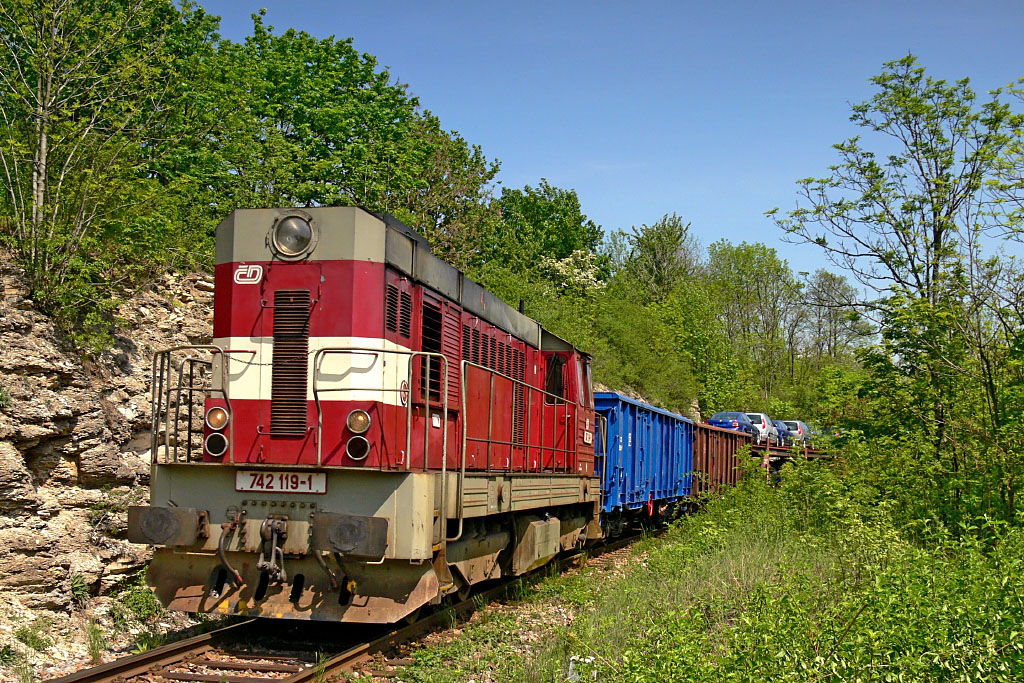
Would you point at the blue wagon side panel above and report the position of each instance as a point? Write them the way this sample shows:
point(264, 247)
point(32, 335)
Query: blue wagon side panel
point(648, 453)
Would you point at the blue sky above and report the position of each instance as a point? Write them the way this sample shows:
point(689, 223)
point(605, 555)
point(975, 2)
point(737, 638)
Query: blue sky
point(709, 110)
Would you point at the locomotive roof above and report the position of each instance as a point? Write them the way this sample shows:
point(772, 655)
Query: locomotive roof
point(380, 237)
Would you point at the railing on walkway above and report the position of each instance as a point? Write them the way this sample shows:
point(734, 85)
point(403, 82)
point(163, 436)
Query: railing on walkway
point(173, 385)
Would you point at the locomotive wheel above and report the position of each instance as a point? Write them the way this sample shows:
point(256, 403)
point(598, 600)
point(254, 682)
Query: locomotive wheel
point(413, 616)
point(464, 591)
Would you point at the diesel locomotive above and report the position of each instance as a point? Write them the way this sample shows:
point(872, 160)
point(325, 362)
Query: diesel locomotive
point(368, 431)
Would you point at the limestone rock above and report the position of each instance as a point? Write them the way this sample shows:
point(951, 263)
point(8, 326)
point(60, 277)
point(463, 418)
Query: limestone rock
point(17, 495)
point(74, 439)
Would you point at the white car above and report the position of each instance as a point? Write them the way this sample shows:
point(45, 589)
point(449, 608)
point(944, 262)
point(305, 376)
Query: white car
point(766, 431)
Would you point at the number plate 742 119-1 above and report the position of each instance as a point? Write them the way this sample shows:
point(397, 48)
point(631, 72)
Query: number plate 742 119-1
point(272, 481)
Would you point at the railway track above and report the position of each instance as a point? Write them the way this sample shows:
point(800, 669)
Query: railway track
point(257, 650)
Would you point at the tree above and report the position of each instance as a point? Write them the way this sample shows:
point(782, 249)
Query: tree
point(755, 290)
point(832, 322)
point(537, 222)
point(657, 256)
point(914, 226)
point(86, 100)
point(449, 201)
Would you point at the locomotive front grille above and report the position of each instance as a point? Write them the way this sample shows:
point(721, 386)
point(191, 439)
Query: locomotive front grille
point(289, 370)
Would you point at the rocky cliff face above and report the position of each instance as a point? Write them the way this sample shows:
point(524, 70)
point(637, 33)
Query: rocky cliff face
point(74, 441)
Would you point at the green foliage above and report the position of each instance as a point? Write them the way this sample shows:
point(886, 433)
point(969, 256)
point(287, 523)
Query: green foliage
point(79, 588)
point(97, 641)
point(8, 655)
point(91, 100)
point(113, 502)
point(136, 603)
point(5, 398)
point(816, 578)
point(34, 636)
point(922, 226)
point(146, 641)
point(538, 222)
point(488, 649)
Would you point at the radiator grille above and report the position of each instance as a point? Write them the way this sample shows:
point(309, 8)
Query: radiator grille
point(405, 320)
point(391, 309)
point(431, 342)
point(291, 350)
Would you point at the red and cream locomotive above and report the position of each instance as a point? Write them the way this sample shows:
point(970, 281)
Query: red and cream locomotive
point(368, 432)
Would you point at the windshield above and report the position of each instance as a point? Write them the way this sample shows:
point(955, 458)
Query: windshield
point(791, 425)
point(754, 417)
point(727, 416)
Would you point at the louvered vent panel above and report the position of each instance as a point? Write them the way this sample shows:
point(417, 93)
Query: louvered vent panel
point(519, 372)
point(405, 316)
point(391, 309)
point(291, 348)
point(452, 350)
point(431, 342)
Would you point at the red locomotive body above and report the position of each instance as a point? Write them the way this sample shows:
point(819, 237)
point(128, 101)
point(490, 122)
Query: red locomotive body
point(366, 404)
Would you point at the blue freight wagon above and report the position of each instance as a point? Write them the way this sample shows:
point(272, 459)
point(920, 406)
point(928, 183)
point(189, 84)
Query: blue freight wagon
point(645, 457)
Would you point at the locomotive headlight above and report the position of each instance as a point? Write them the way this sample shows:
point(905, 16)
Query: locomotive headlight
point(358, 448)
point(292, 236)
point(216, 444)
point(358, 421)
point(216, 419)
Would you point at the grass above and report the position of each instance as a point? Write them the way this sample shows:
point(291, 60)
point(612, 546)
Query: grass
point(25, 672)
point(114, 501)
point(33, 635)
point(487, 647)
point(79, 589)
point(135, 604)
point(5, 398)
point(807, 581)
point(146, 641)
point(98, 643)
point(8, 655)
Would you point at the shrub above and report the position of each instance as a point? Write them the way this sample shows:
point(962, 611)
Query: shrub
point(33, 637)
point(98, 643)
point(8, 655)
point(79, 589)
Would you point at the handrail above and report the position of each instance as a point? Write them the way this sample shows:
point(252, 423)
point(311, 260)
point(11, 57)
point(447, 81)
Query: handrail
point(428, 355)
point(162, 391)
point(525, 443)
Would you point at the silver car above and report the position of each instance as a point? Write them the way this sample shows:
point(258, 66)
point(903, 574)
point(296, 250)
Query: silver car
point(802, 434)
point(766, 431)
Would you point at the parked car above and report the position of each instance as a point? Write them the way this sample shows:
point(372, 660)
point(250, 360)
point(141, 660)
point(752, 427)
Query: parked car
point(785, 435)
point(766, 431)
point(802, 434)
point(732, 420)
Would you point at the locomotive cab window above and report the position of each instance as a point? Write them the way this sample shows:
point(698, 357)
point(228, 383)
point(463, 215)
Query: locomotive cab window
point(588, 384)
point(554, 382)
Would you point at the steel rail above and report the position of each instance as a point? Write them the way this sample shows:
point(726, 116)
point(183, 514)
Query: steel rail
point(146, 662)
point(154, 663)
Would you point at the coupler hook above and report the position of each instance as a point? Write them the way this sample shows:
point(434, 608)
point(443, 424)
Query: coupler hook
point(272, 531)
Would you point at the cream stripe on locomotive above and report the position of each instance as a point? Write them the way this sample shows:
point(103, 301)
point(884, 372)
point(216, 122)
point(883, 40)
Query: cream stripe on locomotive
point(371, 374)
